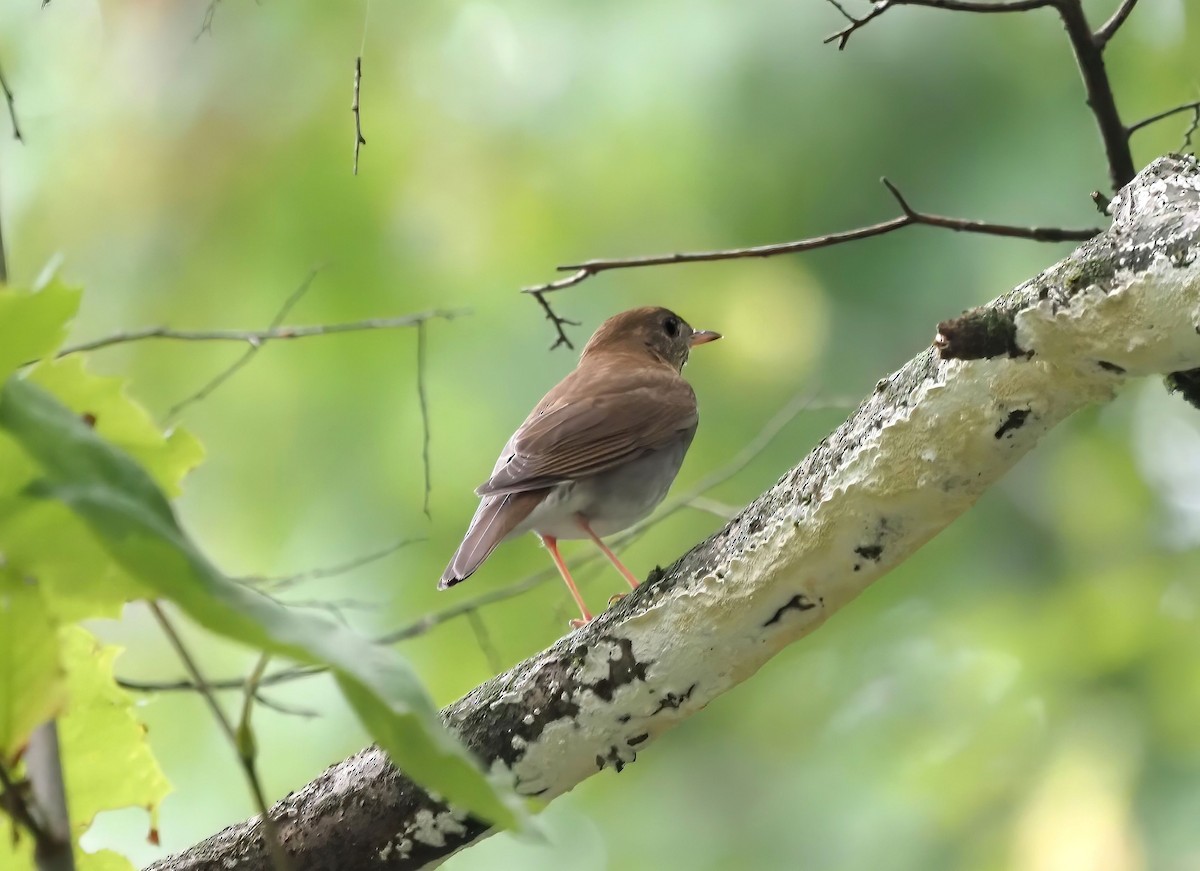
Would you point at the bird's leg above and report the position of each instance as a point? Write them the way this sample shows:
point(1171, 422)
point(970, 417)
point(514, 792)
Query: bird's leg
point(552, 546)
point(612, 557)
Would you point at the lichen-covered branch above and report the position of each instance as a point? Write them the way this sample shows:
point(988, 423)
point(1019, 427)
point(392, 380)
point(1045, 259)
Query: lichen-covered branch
point(916, 454)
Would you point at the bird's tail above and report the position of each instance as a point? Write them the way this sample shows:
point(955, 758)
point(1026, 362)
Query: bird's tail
point(494, 519)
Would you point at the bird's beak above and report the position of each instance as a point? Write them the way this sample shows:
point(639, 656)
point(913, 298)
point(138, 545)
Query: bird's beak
point(699, 337)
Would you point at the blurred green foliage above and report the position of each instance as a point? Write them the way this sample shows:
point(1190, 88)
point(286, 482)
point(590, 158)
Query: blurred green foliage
point(1021, 694)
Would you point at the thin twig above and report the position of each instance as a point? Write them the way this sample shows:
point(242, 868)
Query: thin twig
point(1109, 28)
point(359, 141)
point(559, 322)
point(423, 400)
point(258, 337)
point(334, 608)
point(247, 749)
point(908, 218)
point(229, 371)
point(1193, 107)
point(287, 710)
point(207, 23)
point(271, 831)
point(12, 107)
point(881, 6)
point(278, 583)
point(715, 508)
point(1192, 128)
point(484, 639)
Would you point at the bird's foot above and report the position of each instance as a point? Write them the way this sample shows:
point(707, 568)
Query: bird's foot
point(579, 622)
point(616, 597)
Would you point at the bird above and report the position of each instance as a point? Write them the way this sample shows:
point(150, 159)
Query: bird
point(599, 452)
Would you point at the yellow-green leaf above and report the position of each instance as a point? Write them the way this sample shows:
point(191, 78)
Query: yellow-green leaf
point(103, 404)
point(33, 323)
point(107, 762)
point(32, 688)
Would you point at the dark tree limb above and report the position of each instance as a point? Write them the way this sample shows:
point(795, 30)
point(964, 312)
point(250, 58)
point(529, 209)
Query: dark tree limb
point(1089, 56)
point(1109, 28)
point(917, 453)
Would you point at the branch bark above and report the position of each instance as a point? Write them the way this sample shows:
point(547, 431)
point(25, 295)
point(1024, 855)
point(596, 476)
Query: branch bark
point(917, 453)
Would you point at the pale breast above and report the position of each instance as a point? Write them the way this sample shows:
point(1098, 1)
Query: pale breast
point(613, 500)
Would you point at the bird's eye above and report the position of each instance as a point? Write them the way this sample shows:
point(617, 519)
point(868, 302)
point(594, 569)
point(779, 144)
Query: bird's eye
point(671, 325)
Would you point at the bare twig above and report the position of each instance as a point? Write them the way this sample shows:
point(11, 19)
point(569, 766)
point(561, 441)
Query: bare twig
point(359, 141)
point(278, 583)
point(334, 607)
point(258, 337)
point(229, 371)
point(247, 749)
point(287, 710)
point(1193, 107)
point(207, 23)
point(484, 639)
point(882, 6)
point(908, 218)
point(12, 107)
point(1109, 28)
point(271, 830)
point(559, 322)
point(1192, 128)
point(713, 507)
point(423, 400)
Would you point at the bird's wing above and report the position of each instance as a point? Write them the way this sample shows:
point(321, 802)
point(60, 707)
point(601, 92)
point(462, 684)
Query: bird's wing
point(579, 434)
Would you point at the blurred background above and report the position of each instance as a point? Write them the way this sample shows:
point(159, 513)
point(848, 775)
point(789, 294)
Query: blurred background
point(1024, 693)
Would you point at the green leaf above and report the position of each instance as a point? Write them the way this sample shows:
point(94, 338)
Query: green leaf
point(33, 323)
point(134, 522)
point(32, 688)
point(45, 540)
point(107, 761)
point(104, 405)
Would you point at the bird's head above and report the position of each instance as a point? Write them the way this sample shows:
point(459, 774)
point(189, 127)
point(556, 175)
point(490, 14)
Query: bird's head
point(651, 329)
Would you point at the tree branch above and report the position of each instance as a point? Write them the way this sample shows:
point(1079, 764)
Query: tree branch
point(909, 217)
point(249, 354)
point(359, 141)
point(258, 337)
point(881, 6)
point(1109, 28)
point(1089, 57)
point(917, 453)
point(560, 323)
point(1193, 106)
point(240, 743)
point(12, 107)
